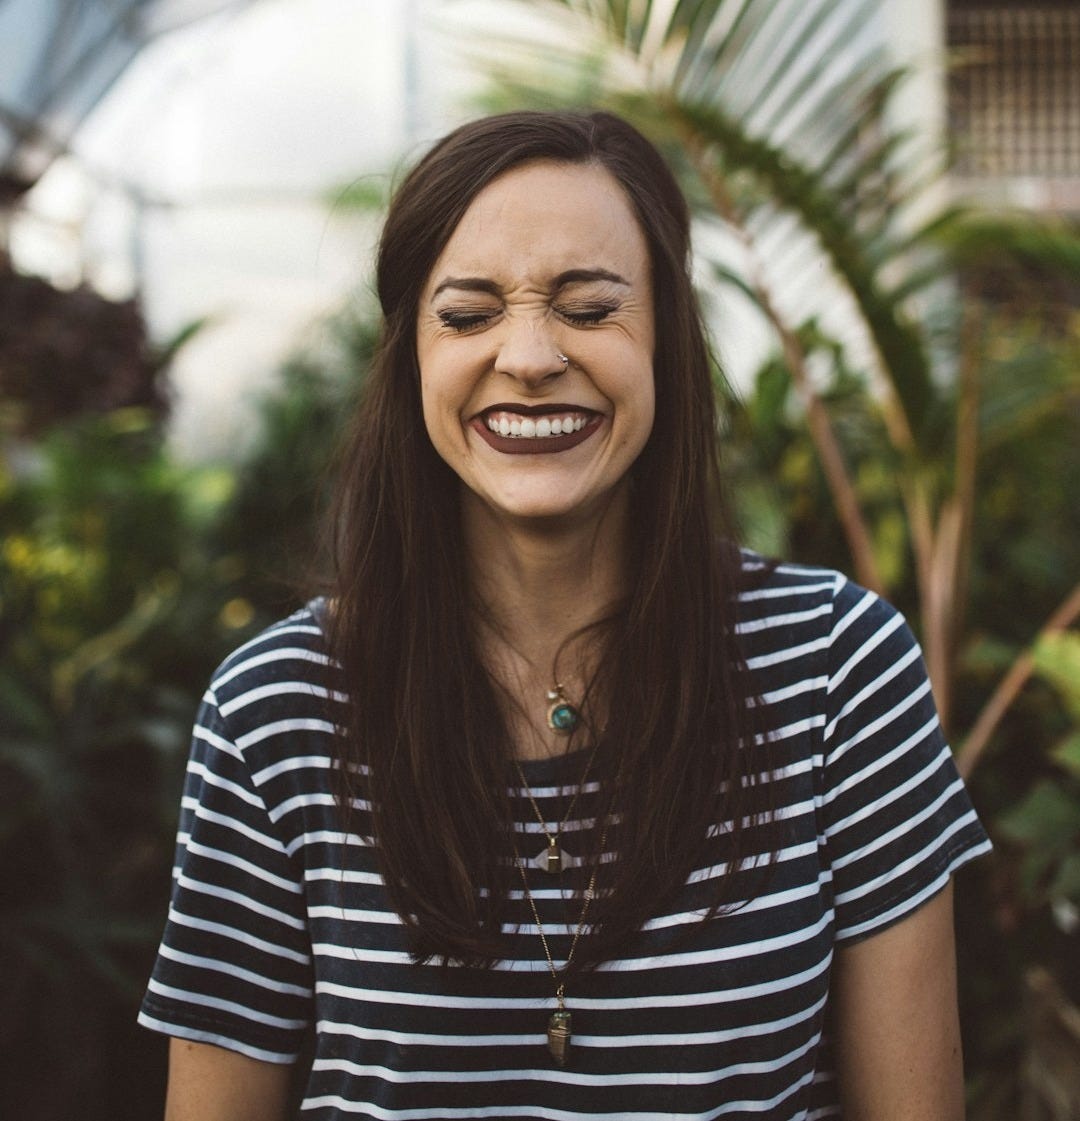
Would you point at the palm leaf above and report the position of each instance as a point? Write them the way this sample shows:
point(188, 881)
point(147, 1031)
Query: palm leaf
point(802, 192)
point(782, 100)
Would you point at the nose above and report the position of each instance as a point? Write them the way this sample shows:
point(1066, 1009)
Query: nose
point(529, 355)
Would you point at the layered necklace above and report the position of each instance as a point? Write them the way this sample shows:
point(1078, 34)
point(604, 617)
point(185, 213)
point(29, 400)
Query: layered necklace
point(562, 718)
point(559, 1023)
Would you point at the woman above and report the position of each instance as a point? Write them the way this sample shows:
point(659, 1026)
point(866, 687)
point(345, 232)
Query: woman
point(560, 807)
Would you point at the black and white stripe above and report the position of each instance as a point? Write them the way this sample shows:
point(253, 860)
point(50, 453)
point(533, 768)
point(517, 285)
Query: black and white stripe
point(280, 929)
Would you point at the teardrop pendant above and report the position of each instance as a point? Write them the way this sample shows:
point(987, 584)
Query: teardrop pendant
point(558, 1035)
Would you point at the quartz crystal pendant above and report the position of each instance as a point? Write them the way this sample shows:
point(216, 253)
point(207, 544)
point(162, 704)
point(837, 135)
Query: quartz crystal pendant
point(554, 859)
point(559, 1036)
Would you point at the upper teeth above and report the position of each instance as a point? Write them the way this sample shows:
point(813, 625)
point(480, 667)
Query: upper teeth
point(526, 427)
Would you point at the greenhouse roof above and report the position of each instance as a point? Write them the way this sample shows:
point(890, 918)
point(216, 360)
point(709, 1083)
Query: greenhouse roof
point(57, 59)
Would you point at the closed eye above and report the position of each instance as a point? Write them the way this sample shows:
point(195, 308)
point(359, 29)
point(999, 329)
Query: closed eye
point(462, 321)
point(585, 314)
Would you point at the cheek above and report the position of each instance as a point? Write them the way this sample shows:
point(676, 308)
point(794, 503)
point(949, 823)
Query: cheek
point(432, 377)
point(645, 406)
point(642, 389)
point(440, 403)
point(430, 406)
point(648, 417)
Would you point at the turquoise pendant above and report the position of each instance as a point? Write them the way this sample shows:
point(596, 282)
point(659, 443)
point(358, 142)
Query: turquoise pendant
point(562, 717)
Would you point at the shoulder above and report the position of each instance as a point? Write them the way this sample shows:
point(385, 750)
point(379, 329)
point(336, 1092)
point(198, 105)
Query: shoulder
point(769, 585)
point(272, 705)
point(292, 649)
point(797, 603)
point(814, 631)
point(278, 685)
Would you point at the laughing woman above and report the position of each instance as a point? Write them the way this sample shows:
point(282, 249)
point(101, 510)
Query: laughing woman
point(560, 806)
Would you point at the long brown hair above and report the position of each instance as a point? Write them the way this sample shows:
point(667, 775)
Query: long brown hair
point(423, 724)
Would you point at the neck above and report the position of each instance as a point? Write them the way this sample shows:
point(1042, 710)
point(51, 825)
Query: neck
point(540, 586)
point(540, 583)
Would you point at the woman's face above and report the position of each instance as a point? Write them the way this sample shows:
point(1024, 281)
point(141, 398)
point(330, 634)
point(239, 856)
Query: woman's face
point(549, 259)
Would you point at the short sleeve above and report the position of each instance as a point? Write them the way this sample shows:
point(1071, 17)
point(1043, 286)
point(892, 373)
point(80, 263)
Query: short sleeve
point(897, 819)
point(234, 965)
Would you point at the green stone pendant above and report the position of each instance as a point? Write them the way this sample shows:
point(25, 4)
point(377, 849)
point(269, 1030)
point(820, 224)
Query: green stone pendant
point(562, 717)
point(559, 1036)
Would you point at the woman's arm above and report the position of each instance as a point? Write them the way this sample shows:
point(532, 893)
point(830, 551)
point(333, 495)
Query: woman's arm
point(896, 1022)
point(209, 1083)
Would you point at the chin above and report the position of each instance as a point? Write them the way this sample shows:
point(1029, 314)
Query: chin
point(540, 514)
point(544, 507)
point(552, 511)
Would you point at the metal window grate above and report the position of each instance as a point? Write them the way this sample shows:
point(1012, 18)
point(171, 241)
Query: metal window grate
point(1014, 97)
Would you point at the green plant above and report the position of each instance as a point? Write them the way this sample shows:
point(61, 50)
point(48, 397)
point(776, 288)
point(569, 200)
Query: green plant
point(917, 412)
point(124, 578)
point(102, 592)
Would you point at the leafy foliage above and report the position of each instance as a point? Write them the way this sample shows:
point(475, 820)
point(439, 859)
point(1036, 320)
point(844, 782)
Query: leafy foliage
point(64, 353)
point(104, 592)
point(914, 421)
point(123, 580)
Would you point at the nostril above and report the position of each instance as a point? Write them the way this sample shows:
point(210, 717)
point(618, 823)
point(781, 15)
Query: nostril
point(534, 375)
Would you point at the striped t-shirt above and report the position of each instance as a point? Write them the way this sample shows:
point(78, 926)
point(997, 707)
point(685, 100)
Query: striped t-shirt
point(281, 940)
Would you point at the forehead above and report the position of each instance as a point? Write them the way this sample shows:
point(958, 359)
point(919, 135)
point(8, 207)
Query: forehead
point(545, 218)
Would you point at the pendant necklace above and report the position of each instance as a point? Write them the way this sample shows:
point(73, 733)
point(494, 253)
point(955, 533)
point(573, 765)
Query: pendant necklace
point(558, 1029)
point(562, 718)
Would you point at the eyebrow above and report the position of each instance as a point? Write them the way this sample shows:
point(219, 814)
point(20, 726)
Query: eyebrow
point(468, 284)
point(570, 276)
point(576, 276)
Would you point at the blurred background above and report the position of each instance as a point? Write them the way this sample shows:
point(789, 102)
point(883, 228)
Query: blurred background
point(887, 202)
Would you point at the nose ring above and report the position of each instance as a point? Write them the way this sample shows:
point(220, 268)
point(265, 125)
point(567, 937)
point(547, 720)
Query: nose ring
point(562, 358)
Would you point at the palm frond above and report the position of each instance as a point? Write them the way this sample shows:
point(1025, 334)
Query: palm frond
point(802, 192)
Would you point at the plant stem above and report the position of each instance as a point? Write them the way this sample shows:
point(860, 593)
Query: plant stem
point(943, 578)
point(1009, 687)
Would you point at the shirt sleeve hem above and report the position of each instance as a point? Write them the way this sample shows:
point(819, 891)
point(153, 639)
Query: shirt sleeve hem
point(190, 1028)
point(886, 915)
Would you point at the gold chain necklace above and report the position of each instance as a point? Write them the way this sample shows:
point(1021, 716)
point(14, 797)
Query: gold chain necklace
point(558, 1029)
point(554, 859)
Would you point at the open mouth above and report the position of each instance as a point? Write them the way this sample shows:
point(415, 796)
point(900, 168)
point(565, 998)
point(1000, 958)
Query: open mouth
point(533, 429)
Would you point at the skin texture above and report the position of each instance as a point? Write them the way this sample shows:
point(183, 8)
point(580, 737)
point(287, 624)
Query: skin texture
point(898, 1033)
point(208, 1083)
